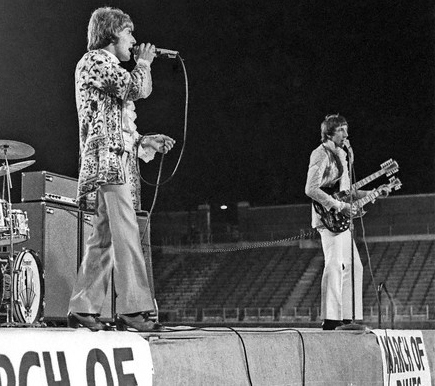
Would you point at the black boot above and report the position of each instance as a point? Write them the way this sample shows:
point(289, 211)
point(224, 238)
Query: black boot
point(329, 324)
point(138, 321)
point(90, 321)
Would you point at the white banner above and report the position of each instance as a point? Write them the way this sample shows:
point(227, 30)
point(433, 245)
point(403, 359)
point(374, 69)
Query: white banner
point(74, 357)
point(404, 358)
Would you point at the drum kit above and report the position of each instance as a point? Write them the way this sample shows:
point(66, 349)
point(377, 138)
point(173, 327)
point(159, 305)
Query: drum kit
point(21, 278)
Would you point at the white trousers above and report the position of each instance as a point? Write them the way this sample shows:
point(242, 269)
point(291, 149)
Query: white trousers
point(336, 300)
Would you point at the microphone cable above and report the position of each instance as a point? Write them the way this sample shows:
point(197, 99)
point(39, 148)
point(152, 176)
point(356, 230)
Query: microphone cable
point(157, 184)
point(245, 351)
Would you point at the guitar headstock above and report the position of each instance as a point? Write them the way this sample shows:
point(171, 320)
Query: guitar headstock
point(390, 167)
point(395, 184)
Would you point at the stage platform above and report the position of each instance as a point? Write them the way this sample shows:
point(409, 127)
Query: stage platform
point(203, 356)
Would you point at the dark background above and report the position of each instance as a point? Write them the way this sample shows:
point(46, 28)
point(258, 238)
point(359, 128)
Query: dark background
point(262, 76)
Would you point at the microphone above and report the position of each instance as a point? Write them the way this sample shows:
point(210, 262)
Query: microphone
point(349, 149)
point(159, 52)
point(163, 52)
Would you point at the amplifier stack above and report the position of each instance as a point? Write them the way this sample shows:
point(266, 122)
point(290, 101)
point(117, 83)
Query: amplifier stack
point(50, 187)
point(58, 232)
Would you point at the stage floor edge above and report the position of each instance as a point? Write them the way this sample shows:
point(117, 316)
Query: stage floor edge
point(199, 356)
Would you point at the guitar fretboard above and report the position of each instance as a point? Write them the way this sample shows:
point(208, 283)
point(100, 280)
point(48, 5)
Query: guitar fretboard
point(365, 200)
point(368, 179)
point(394, 184)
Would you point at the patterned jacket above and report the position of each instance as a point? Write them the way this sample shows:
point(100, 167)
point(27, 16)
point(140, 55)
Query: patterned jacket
point(101, 86)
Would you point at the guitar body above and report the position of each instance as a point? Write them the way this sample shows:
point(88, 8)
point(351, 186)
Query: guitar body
point(342, 195)
point(332, 220)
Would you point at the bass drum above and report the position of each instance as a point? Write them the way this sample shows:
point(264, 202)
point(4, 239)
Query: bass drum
point(28, 287)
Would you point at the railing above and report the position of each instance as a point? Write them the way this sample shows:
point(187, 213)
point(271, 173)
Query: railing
point(259, 314)
point(299, 314)
point(296, 314)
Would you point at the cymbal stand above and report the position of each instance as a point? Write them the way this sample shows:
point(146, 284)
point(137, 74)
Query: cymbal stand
point(10, 306)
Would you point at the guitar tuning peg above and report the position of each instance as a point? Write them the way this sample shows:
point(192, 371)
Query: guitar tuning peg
point(387, 162)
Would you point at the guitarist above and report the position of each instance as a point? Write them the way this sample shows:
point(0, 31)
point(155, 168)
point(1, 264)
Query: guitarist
point(329, 168)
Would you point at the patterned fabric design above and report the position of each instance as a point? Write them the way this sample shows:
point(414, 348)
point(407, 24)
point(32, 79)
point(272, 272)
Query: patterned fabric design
point(133, 178)
point(132, 141)
point(133, 172)
point(101, 86)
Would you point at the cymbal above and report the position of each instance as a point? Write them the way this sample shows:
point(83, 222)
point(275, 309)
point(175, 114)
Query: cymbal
point(15, 167)
point(15, 150)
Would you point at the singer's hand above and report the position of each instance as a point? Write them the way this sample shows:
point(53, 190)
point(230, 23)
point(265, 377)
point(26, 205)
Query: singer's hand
point(146, 52)
point(159, 142)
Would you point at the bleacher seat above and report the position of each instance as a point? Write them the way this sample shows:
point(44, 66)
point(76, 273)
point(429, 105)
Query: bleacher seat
point(273, 276)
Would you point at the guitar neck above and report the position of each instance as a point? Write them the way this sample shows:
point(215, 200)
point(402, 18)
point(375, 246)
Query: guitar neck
point(368, 179)
point(365, 200)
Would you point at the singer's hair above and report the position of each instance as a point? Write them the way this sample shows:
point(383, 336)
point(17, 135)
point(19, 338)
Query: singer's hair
point(328, 126)
point(105, 25)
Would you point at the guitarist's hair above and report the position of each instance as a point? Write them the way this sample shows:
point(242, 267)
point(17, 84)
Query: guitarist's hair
point(329, 125)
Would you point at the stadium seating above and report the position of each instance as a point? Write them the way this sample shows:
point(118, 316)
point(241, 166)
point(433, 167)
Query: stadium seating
point(289, 276)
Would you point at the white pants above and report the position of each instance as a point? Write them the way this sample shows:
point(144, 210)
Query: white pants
point(336, 302)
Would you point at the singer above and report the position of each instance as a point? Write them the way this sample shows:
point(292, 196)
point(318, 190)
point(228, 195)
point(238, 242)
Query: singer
point(108, 177)
point(329, 167)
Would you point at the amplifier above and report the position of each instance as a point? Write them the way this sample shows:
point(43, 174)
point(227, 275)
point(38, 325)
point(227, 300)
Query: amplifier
point(46, 186)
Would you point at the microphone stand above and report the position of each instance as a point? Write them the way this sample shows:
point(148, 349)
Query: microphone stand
point(352, 235)
point(381, 287)
point(352, 325)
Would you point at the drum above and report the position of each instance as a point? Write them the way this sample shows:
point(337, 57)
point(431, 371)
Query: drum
point(5, 282)
point(3, 216)
point(27, 287)
point(20, 225)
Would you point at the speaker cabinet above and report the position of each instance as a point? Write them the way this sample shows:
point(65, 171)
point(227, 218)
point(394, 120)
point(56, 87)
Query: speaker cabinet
point(54, 235)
